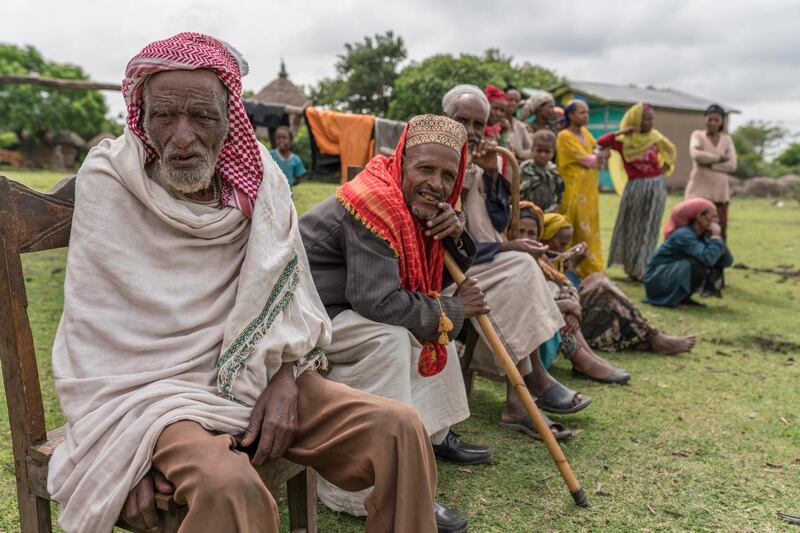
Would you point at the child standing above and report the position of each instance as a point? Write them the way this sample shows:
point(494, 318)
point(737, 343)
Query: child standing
point(540, 181)
point(290, 163)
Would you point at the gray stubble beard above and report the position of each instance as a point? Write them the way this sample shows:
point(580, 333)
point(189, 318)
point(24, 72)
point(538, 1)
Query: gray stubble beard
point(191, 180)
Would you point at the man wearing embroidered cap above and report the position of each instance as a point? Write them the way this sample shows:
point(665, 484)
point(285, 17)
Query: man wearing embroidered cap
point(376, 251)
point(190, 318)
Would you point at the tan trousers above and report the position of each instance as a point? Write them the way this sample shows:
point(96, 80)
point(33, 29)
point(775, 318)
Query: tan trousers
point(354, 439)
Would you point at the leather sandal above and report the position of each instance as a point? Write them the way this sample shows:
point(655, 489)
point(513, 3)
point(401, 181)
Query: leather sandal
point(620, 376)
point(558, 400)
point(526, 426)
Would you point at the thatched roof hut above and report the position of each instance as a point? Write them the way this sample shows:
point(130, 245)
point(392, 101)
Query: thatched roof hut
point(282, 91)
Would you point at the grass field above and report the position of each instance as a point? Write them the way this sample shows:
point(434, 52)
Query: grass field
point(704, 442)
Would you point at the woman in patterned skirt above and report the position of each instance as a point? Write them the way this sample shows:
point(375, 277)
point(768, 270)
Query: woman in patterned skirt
point(647, 156)
point(610, 321)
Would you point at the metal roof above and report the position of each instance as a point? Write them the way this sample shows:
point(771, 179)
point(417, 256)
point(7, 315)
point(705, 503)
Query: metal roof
point(630, 94)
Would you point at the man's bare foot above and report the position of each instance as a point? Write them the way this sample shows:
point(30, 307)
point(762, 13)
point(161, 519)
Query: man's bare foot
point(667, 345)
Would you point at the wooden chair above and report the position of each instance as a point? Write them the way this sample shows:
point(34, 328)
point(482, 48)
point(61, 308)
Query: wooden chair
point(31, 222)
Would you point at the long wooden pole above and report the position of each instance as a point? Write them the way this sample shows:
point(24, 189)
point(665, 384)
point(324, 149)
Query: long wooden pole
point(578, 494)
point(58, 83)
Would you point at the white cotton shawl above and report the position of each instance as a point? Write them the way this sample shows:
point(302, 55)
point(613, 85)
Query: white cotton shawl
point(172, 311)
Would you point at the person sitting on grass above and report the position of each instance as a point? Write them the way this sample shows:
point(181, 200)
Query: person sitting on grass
point(289, 162)
point(691, 258)
point(540, 181)
point(609, 321)
point(570, 340)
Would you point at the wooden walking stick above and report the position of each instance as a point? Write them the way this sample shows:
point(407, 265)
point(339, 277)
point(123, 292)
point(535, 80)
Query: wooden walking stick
point(578, 494)
point(513, 227)
point(523, 393)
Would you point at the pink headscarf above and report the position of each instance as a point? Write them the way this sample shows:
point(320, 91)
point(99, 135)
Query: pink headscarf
point(239, 162)
point(685, 212)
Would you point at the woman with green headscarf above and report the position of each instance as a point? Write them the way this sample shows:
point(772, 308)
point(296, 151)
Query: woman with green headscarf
point(647, 155)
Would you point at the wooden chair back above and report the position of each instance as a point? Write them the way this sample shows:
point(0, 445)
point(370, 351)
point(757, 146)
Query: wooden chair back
point(32, 221)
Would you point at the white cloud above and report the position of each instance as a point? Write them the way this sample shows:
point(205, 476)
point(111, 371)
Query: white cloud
point(743, 54)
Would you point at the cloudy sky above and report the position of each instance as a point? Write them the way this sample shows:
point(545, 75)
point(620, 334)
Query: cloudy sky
point(743, 54)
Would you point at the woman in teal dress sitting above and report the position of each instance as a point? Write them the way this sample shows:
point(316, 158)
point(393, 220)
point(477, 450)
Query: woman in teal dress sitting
point(691, 259)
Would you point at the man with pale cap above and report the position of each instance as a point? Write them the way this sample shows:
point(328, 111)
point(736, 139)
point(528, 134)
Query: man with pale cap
point(192, 329)
point(376, 250)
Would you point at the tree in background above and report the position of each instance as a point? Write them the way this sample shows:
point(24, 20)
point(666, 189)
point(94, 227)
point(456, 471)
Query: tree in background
point(30, 111)
point(790, 157)
point(420, 86)
point(366, 75)
point(754, 140)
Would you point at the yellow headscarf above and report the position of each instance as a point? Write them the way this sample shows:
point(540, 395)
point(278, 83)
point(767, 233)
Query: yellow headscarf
point(635, 144)
point(553, 222)
point(550, 272)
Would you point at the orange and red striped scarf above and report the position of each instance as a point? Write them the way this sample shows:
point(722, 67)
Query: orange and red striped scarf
point(375, 198)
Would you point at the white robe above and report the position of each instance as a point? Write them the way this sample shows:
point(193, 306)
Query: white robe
point(157, 291)
point(382, 359)
point(523, 311)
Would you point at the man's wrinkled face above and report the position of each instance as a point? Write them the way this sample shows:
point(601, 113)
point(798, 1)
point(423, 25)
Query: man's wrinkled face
point(429, 175)
point(186, 121)
point(528, 229)
point(471, 112)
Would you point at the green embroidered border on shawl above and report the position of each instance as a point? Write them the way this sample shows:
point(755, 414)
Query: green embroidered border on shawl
point(235, 357)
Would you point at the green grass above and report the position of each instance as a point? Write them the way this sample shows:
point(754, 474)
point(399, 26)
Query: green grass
point(704, 442)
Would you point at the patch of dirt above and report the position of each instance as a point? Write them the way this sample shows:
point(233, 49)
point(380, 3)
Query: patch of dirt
point(786, 272)
point(721, 341)
point(773, 345)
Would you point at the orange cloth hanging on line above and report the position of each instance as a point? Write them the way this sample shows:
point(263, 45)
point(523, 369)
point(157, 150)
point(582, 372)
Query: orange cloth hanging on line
point(348, 136)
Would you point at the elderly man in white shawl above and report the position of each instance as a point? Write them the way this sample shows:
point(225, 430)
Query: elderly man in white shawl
point(190, 317)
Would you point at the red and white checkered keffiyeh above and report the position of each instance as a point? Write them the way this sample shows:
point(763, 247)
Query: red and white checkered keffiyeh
point(239, 162)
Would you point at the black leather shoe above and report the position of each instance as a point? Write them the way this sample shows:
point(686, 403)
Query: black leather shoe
point(455, 450)
point(449, 521)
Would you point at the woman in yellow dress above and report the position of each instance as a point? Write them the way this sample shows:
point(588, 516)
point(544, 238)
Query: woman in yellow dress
point(577, 164)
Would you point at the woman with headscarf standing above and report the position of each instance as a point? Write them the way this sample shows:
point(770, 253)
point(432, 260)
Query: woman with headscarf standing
point(647, 156)
point(578, 164)
point(713, 159)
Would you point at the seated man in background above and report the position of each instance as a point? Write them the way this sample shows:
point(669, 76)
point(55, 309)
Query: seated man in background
point(190, 318)
point(376, 253)
point(523, 311)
